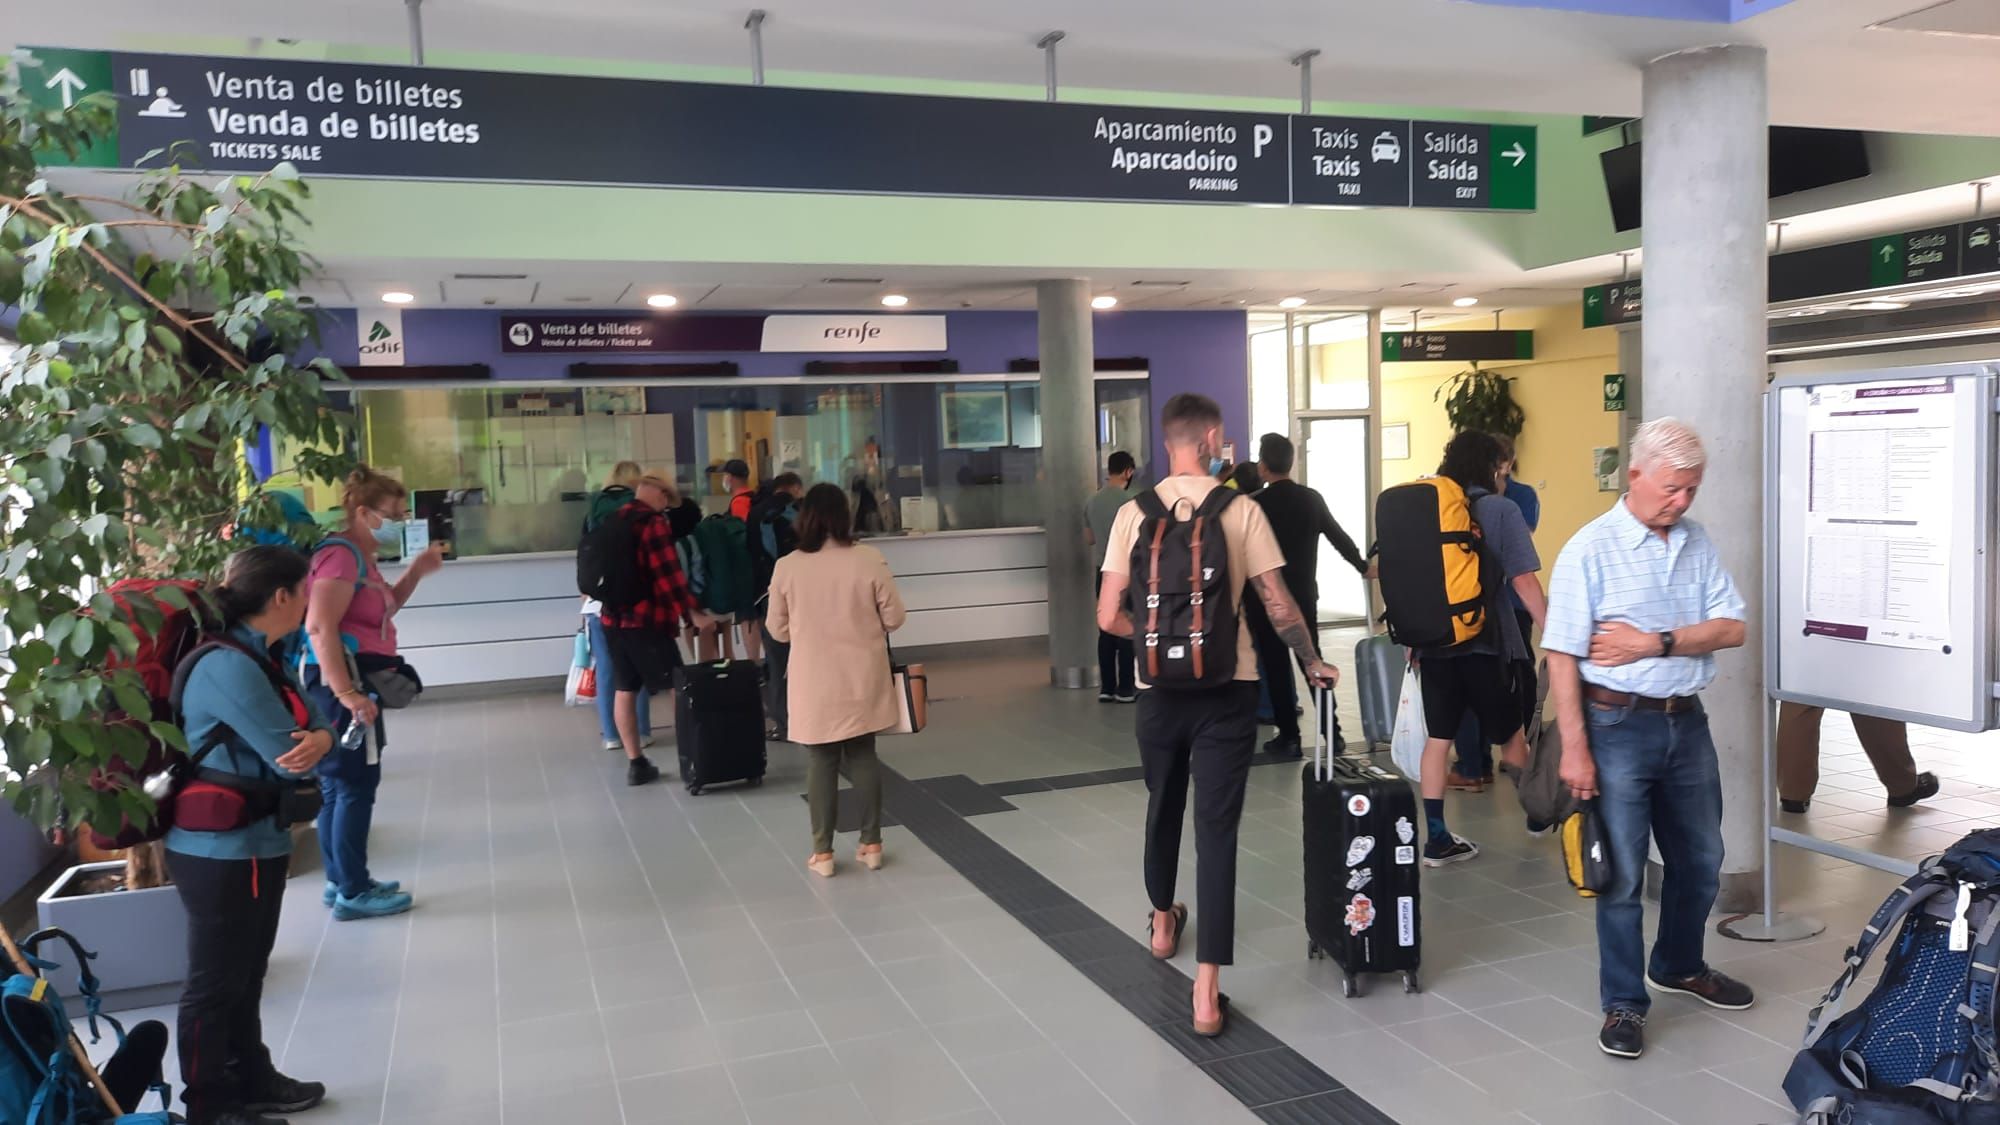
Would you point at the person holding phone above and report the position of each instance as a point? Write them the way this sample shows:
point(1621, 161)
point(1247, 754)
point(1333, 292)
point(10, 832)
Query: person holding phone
point(351, 630)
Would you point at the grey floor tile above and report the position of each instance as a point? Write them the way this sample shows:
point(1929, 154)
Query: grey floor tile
point(767, 1077)
point(766, 1035)
point(831, 1105)
point(658, 1036)
point(703, 1094)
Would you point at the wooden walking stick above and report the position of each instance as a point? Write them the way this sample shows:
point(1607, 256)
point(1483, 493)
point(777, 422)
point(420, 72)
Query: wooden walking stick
point(21, 965)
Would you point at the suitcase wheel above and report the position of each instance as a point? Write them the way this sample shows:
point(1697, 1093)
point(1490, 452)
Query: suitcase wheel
point(694, 790)
point(1313, 952)
point(1350, 986)
point(1410, 984)
point(755, 781)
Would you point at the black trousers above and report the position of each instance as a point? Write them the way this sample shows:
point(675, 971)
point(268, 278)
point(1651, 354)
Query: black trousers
point(1207, 737)
point(232, 910)
point(1278, 664)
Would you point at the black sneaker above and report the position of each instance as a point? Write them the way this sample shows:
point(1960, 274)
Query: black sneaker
point(1282, 747)
point(1927, 787)
point(1786, 804)
point(1717, 990)
point(1624, 1033)
point(279, 1094)
point(1105, 697)
point(642, 771)
point(1452, 849)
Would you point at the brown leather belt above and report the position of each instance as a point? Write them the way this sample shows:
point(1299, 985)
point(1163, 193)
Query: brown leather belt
point(1671, 705)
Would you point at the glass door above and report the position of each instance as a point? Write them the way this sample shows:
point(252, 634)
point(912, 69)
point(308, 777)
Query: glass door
point(1334, 454)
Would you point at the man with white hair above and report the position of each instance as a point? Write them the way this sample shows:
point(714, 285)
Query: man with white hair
point(1638, 603)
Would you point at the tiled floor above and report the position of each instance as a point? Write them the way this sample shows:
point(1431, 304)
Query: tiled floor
point(586, 953)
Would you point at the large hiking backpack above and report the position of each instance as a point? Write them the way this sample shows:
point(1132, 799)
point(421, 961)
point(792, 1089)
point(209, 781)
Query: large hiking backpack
point(722, 579)
point(772, 535)
point(1183, 607)
point(606, 504)
point(1434, 576)
point(41, 1082)
point(169, 618)
point(607, 563)
point(1920, 1047)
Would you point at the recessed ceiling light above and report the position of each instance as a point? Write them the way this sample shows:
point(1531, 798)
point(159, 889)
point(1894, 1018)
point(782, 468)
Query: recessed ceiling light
point(399, 297)
point(1878, 306)
point(663, 300)
point(1105, 302)
point(1291, 302)
point(1465, 302)
point(895, 300)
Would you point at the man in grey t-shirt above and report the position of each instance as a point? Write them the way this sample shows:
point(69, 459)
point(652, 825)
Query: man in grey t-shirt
point(1114, 654)
point(1476, 676)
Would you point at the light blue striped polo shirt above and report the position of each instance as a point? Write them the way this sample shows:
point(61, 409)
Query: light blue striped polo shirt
point(1618, 569)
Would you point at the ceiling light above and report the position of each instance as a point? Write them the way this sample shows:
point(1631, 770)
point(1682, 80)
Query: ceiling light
point(1878, 306)
point(399, 297)
point(1465, 302)
point(895, 300)
point(663, 300)
point(1291, 302)
point(1104, 302)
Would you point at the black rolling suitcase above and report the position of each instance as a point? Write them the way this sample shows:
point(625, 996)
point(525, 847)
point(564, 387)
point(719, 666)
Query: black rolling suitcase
point(1362, 828)
point(719, 723)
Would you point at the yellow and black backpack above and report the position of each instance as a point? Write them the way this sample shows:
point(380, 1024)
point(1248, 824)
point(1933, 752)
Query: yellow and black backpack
point(1586, 851)
point(1435, 576)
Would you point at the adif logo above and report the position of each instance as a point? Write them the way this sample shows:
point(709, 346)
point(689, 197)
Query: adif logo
point(521, 334)
point(381, 337)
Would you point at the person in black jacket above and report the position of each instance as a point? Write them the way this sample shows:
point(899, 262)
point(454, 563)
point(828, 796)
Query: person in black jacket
point(1298, 517)
point(772, 535)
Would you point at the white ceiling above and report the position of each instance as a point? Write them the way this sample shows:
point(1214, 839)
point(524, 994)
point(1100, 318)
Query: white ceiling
point(1832, 64)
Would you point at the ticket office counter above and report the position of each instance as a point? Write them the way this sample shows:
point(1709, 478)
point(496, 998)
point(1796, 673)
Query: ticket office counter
point(943, 473)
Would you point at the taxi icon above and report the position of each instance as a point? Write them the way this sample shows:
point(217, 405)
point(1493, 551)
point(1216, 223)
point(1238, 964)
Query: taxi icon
point(1386, 147)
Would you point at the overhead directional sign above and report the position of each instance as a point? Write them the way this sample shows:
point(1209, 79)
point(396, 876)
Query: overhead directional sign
point(1414, 347)
point(344, 119)
point(1882, 262)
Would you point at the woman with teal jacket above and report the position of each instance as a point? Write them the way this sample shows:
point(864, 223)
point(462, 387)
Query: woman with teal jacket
point(234, 696)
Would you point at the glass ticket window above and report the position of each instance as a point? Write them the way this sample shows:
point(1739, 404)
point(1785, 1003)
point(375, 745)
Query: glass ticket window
point(510, 468)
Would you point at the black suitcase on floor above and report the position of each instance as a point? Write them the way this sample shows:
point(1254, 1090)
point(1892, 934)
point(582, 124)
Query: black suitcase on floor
point(719, 723)
point(1362, 830)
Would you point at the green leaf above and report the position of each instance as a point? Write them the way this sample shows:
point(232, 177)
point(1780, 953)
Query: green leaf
point(84, 638)
point(59, 446)
point(143, 435)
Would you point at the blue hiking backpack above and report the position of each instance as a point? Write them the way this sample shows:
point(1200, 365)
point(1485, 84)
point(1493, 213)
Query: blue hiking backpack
point(1919, 1050)
point(41, 1082)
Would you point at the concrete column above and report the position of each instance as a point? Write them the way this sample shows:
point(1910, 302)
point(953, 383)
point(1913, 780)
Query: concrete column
point(1703, 354)
point(1069, 476)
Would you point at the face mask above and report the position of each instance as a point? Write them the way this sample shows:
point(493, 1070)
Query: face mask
point(1215, 465)
point(390, 534)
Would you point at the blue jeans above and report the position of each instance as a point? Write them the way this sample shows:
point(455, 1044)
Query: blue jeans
point(347, 785)
point(600, 656)
point(1657, 779)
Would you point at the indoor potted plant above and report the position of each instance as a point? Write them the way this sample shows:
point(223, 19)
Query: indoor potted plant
point(1476, 399)
point(155, 340)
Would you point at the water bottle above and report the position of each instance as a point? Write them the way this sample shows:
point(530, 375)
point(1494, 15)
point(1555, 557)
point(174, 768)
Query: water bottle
point(355, 734)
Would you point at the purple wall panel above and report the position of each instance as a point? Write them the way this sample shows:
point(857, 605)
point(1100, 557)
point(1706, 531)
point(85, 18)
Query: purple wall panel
point(1204, 352)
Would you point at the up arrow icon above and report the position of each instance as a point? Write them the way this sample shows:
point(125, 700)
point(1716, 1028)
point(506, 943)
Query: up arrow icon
point(69, 83)
point(1516, 154)
point(1888, 254)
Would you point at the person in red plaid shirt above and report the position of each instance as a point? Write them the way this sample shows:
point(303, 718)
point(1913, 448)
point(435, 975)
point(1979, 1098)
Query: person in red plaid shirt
point(640, 637)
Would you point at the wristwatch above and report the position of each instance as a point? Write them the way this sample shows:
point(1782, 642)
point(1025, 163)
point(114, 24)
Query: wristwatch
point(1667, 643)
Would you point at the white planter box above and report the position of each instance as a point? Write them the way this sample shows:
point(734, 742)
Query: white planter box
point(140, 938)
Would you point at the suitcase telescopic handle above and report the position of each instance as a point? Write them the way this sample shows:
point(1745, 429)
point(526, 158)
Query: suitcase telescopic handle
point(1323, 745)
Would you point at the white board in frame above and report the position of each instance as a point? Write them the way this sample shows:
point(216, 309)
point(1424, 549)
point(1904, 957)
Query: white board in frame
point(1807, 659)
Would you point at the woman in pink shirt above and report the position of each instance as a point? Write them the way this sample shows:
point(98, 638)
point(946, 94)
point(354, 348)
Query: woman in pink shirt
point(350, 624)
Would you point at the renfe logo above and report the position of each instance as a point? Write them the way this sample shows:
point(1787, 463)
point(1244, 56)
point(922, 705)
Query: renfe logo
point(862, 332)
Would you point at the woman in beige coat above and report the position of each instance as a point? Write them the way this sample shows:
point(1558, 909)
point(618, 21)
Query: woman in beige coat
point(835, 603)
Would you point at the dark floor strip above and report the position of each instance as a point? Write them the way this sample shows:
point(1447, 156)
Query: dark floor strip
point(1098, 777)
point(1255, 1066)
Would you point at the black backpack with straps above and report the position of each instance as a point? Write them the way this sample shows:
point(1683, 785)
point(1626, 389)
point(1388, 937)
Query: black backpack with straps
point(1184, 619)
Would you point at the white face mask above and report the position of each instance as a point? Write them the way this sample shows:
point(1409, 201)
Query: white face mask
point(390, 533)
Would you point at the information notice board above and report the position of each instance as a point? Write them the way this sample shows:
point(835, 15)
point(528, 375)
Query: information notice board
point(1879, 575)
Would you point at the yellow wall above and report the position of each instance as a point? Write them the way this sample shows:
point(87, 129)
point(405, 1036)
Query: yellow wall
point(1561, 391)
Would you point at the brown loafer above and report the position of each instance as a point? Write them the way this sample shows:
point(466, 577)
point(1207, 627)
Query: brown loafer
point(1180, 913)
point(1464, 784)
point(1209, 1030)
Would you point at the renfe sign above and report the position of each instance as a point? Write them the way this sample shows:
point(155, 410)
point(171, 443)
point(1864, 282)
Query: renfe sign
point(346, 119)
point(854, 334)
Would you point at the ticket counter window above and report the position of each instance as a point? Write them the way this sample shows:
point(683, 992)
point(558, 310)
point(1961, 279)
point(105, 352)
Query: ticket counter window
point(509, 468)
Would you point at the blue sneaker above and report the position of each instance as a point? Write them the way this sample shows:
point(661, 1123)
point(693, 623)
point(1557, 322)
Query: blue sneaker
point(374, 902)
point(332, 890)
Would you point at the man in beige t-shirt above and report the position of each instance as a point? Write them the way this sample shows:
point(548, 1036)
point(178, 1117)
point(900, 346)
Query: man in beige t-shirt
point(1207, 734)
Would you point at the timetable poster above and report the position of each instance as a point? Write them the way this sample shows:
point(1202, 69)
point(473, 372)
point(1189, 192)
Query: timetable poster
point(1879, 519)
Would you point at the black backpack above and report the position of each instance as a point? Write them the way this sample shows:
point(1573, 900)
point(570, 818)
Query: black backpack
point(607, 563)
point(1183, 607)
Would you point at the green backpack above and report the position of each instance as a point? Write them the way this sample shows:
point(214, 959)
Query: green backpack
point(722, 580)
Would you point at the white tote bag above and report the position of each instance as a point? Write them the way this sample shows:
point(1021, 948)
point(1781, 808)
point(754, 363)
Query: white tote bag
point(1406, 743)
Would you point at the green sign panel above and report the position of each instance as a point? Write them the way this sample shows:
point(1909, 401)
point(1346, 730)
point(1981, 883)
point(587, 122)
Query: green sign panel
point(1616, 303)
point(1614, 392)
point(67, 77)
point(1420, 347)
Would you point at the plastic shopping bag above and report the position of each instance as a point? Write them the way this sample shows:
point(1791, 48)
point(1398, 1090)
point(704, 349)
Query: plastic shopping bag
point(1406, 743)
point(580, 689)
